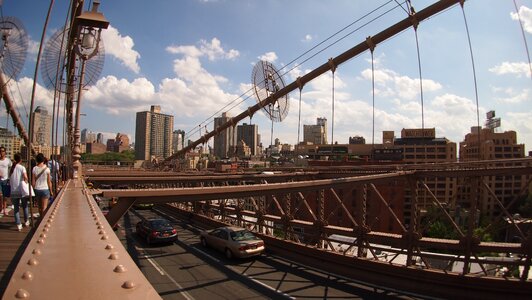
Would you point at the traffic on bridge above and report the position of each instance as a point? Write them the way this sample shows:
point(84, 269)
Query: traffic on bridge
point(416, 217)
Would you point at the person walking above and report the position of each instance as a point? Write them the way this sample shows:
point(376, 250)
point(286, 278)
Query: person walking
point(42, 183)
point(5, 165)
point(54, 167)
point(17, 175)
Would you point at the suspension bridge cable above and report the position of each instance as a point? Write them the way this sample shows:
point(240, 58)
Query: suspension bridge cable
point(333, 69)
point(524, 37)
point(373, 96)
point(58, 79)
point(299, 114)
point(314, 47)
point(474, 74)
point(35, 75)
point(412, 14)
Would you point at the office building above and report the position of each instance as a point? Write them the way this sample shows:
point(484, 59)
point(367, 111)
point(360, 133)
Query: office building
point(153, 134)
point(486, 144)
point(225, 139)
point(10, 141)
point(315, 134)
point(42, 127)
point(178, 138)
point(421, 146)
point(100, 138)
point(88, 136)
point(249, 134)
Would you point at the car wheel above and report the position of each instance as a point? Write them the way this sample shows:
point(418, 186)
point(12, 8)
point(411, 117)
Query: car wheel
point(204, 242)
point(228, 253)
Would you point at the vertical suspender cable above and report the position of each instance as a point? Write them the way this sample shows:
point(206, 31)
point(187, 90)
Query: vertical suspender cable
point(56, 112)
point(373, 98)
point(32, 101)
point(524, 38)
point(333, 69)
point(474, 77)
point(332, 122)
point(299, 118)
point(415, 24)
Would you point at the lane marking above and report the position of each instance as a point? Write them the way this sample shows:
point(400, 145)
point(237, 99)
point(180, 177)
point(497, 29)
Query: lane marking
point(163, 273)
point(242, 274)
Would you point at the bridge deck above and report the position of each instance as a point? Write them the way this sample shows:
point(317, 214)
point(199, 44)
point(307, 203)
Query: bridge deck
point(12, 244)
point(74, 254)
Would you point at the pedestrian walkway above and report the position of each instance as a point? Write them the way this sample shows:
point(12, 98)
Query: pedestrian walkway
point(12, 245)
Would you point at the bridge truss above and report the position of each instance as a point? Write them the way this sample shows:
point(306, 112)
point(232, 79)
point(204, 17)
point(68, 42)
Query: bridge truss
point(334, 220)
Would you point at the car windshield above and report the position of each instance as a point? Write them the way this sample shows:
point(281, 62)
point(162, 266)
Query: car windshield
point(242, 235)
point(156, 224)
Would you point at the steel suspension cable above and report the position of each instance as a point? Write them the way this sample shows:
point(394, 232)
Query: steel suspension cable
point(306, 52)
point(474, 75)
point(373, 96)
point(299, 116)
point(524, 37)
point(332, 121)
point(415, 24)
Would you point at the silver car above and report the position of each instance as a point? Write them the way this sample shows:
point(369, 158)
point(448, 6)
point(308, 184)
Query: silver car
point(233, 241)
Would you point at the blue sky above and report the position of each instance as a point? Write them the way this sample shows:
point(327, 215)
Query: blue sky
point(193, 57)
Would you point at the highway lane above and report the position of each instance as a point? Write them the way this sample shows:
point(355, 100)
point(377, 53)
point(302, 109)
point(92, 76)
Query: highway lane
point(187, 270)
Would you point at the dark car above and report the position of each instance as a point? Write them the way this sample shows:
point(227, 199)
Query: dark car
point(156, 231)
point(143, 206)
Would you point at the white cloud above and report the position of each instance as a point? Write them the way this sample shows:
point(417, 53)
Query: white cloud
point(519, 69)
point(526, 18)
point(121, 48)
point(193, 92)
point(512, 97)
point(116, 96)
point(268, 56)
point(212, 50)
point(307, 38)
point(520, 123)
point(388, 83)
point(22, 89)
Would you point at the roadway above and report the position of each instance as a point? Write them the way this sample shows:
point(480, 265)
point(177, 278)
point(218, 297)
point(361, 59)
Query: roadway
point(187, 270)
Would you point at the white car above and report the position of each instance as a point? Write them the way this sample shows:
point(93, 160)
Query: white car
point(233, 241)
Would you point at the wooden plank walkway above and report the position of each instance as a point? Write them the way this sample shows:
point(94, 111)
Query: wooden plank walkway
point(12, 245)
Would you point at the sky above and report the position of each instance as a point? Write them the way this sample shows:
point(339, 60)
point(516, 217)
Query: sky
point(195, 58)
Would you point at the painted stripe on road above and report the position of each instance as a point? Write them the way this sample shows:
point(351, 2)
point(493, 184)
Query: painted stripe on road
point(163, 273)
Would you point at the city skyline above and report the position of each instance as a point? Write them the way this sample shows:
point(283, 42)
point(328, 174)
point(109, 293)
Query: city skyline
point(192, 72)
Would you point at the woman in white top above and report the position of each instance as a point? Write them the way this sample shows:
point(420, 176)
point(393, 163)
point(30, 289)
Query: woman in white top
point(17, 174)
point(42, 183)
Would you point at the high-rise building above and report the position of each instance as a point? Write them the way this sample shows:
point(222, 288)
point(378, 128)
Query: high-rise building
point(486, 144)
point(118, 144)
point(419, 146)
point(178, 140)
point(225, 139)
point(249, 133)
point(42, 127)
point(316, 134)
point(323, 123)
point(10, 141)
point(153, 134)
point(88, 136)
point(100, 138)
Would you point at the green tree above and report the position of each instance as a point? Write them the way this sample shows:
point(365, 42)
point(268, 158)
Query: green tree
point(124, 156)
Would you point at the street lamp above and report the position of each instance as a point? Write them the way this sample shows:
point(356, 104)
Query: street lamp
point(88, 26)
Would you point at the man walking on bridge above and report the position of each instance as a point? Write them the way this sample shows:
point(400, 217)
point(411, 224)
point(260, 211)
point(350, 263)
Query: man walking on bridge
point(5, 165)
